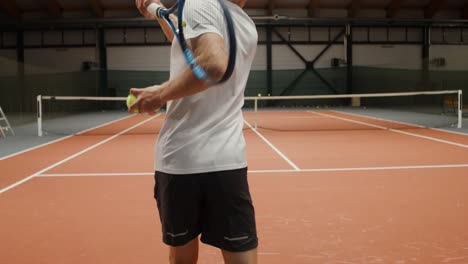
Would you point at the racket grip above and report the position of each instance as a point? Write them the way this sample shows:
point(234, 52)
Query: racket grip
point(154, 8)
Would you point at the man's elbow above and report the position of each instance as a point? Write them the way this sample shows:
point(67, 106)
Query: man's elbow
point(215, 66)
point(218, 70)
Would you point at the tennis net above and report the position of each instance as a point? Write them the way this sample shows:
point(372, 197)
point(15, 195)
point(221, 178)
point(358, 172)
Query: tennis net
point(64, 115)
point(410, 110)
point(74, 115)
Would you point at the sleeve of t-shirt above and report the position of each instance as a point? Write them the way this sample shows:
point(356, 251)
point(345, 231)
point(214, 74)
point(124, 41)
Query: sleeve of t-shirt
point(201, 17)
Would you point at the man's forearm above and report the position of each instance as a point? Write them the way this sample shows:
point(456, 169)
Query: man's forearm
point(211, 56)
point(164, 25)
point(166, 28)
point(186, 84)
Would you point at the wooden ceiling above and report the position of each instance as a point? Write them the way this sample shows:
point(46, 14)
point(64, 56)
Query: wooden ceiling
point(419, 9)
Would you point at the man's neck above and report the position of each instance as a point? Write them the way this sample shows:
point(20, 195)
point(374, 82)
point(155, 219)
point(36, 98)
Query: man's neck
point(240, 3)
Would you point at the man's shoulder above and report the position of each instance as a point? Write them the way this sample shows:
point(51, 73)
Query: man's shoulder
point(203, 5)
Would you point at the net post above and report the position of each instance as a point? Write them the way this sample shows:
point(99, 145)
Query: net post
point(255, 112)
point(460, 109)
point(39, 115)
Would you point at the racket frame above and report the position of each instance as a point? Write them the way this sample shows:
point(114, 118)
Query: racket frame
point(198, 71)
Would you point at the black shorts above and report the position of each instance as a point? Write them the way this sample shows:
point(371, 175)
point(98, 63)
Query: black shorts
point(216, 205)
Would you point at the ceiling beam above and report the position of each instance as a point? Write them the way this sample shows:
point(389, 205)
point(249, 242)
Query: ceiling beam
point(354, 8)
point(97, 8)
point(433, 7)
point(313, 7)
point(393, 8)
point(10, 8)
point(54, 8)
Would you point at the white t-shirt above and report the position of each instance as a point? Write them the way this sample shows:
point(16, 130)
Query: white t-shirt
point(203, 133)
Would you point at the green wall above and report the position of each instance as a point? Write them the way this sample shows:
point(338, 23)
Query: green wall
point(19, 94)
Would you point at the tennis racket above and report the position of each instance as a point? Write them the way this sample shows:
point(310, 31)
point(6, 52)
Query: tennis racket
point(197, 70)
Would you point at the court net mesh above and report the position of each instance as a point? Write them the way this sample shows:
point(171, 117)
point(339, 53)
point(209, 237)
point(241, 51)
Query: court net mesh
point(61, 115)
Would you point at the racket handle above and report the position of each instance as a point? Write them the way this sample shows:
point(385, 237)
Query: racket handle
point(154, 9)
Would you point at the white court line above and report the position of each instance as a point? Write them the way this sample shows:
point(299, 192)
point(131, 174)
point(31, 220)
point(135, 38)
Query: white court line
point(96, 174)
point(394, 130)
point(400, 122)
point(273, 147)
point(63, 138)
point(416, 167)
point(75, 155)
point(449, 131)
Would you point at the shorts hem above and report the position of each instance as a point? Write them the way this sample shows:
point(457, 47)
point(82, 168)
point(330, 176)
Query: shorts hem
point(252, 244)
point(179, 243)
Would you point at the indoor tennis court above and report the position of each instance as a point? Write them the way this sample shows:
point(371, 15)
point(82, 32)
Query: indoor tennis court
point(355, 123)
point(386, 196)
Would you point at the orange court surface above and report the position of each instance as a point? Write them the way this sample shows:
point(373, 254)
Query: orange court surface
point(367, 194)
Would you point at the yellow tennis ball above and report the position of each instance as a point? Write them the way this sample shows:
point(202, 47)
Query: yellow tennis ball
point(130, 100)
point(259, 94)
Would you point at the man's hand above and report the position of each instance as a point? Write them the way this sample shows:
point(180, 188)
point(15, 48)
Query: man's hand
point(148, 100)
point(143, 4)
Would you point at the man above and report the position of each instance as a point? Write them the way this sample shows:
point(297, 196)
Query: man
point(201, 170)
